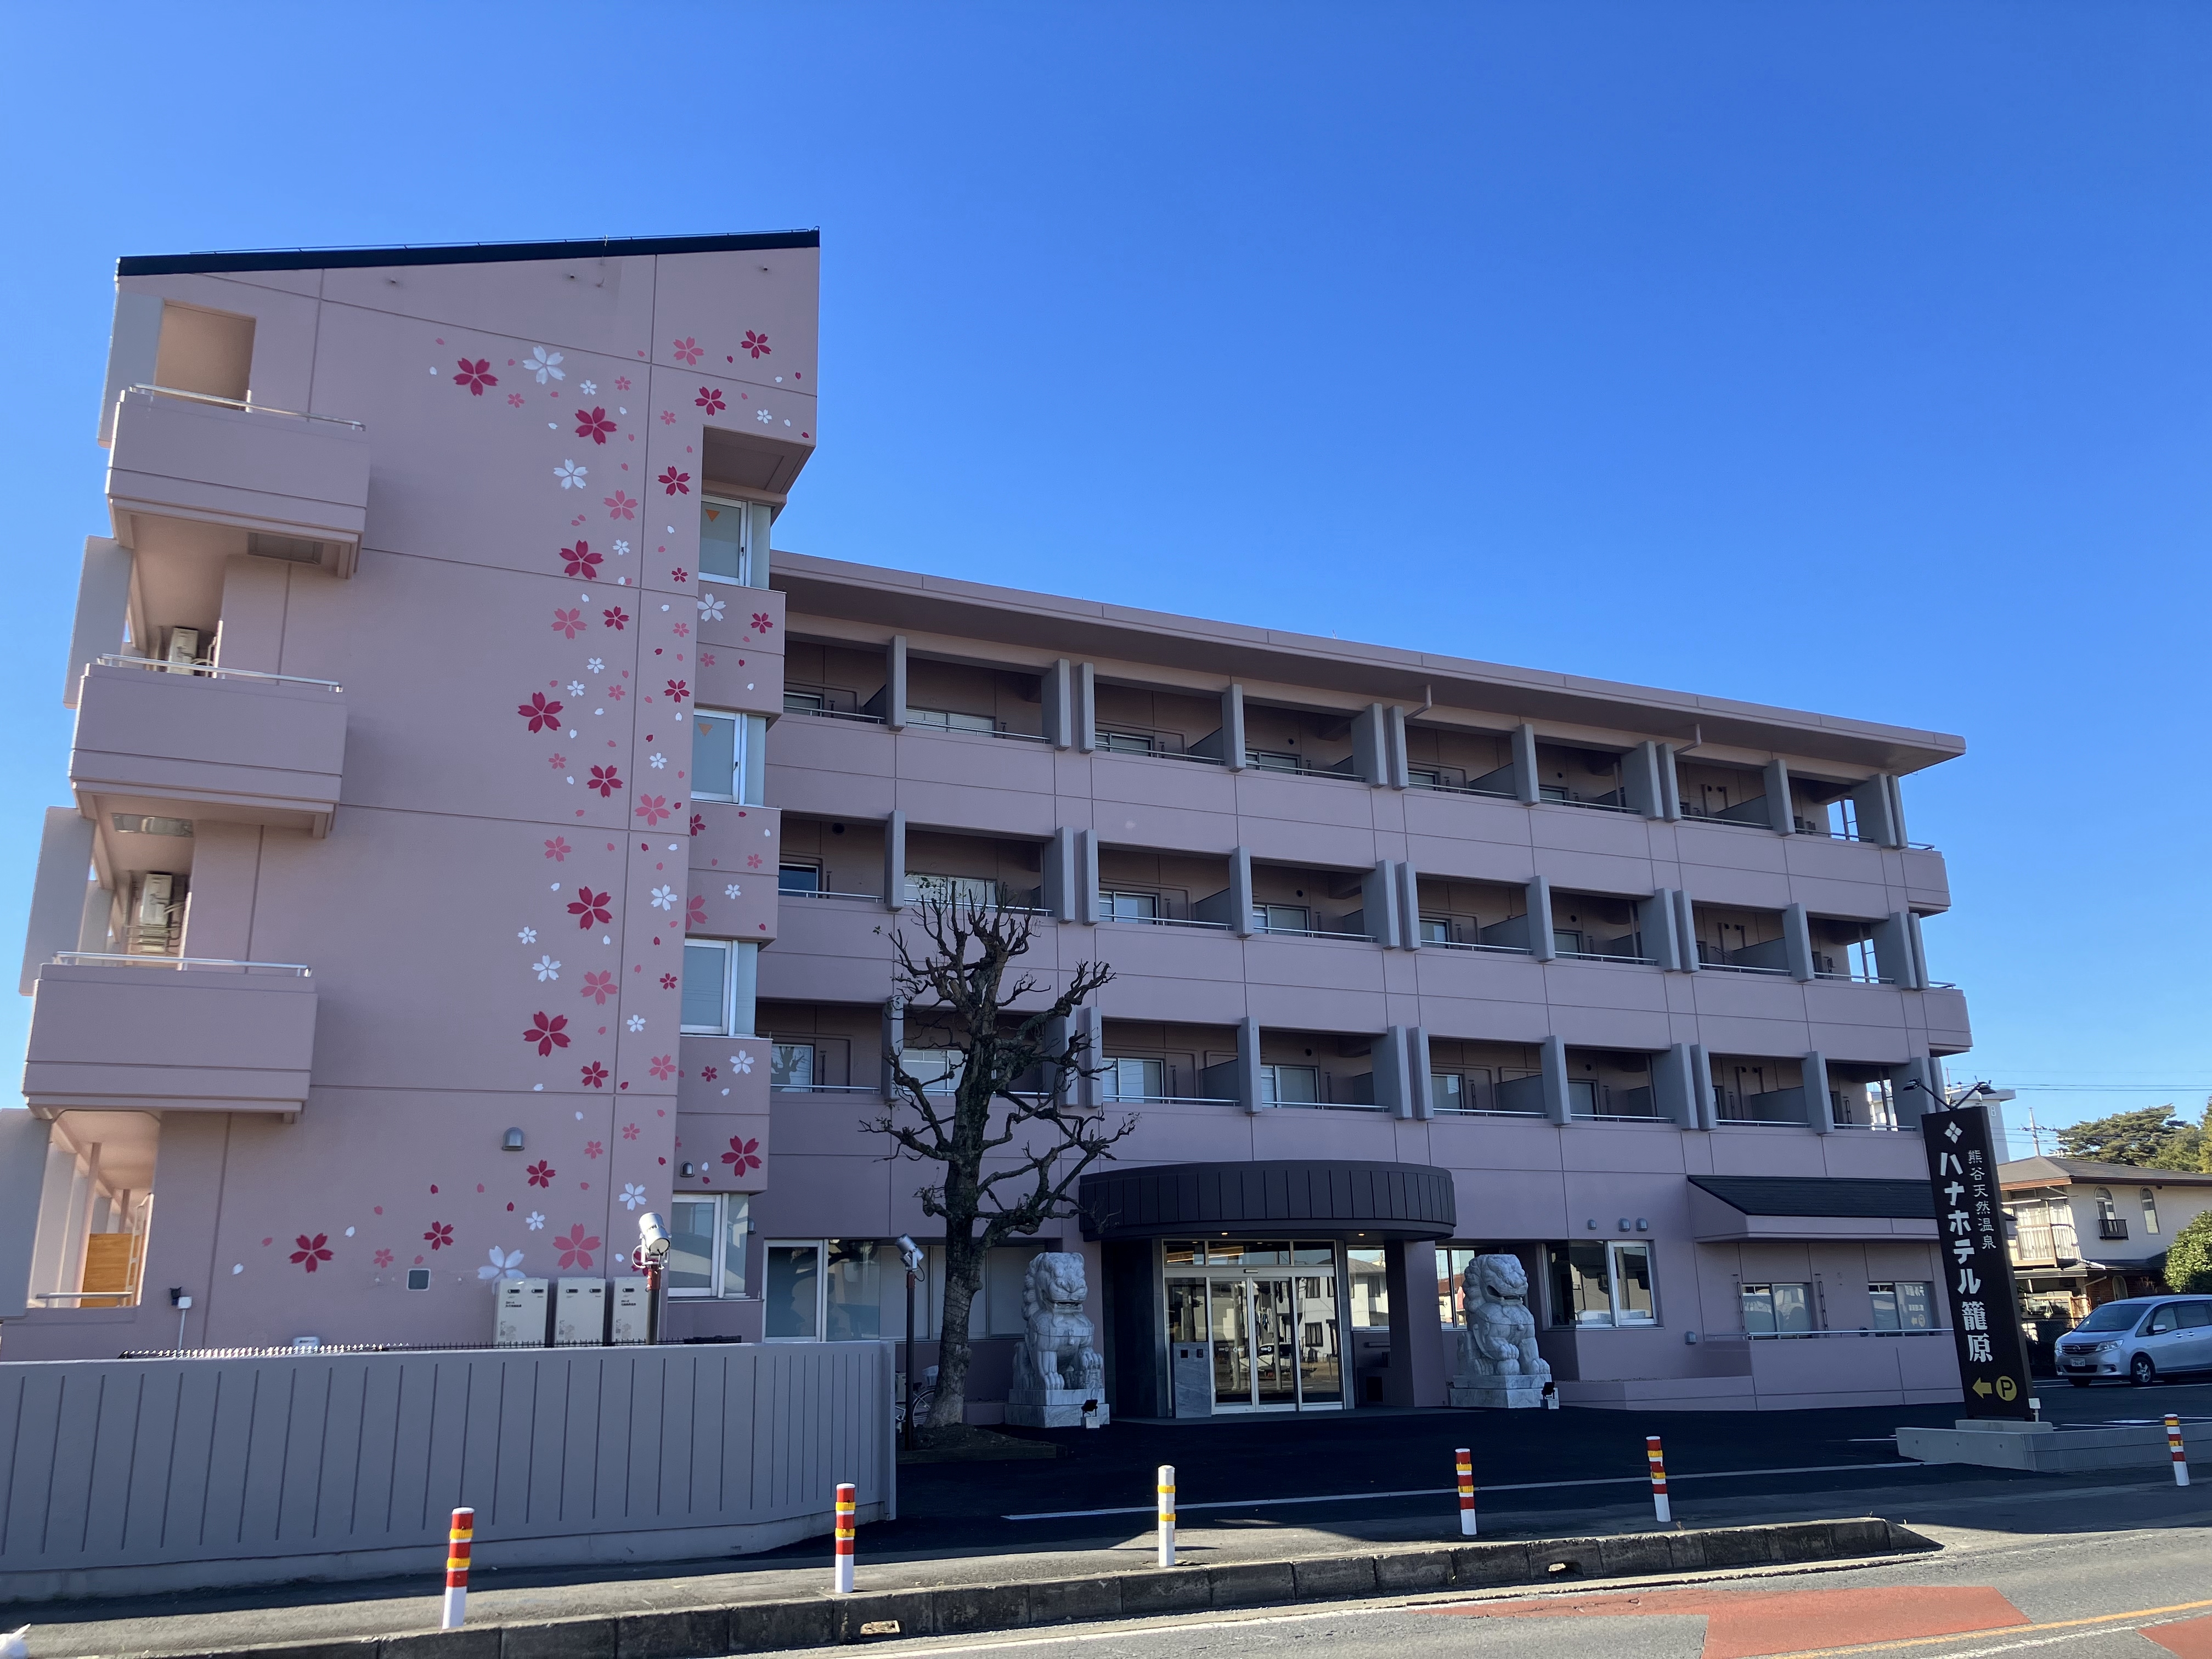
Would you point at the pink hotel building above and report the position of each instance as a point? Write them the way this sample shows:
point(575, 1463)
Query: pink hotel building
point(491, 839)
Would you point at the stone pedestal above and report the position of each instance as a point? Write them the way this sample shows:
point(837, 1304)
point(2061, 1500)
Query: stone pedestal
point(1051, 1408)
point(1498, 1393)
point(2040, 1447)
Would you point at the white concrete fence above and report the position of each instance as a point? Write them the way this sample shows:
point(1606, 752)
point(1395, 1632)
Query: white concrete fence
point(166, 1473)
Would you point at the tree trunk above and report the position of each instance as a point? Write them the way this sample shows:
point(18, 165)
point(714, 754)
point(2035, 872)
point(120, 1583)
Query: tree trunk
point(963, 1275)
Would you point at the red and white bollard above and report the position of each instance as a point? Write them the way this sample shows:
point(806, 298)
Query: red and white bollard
point(1465, 1460)
point(2174, 1445)
point(1167, 1515)
point(1657, 1459)
point(457, 1568)
point(848, 1503)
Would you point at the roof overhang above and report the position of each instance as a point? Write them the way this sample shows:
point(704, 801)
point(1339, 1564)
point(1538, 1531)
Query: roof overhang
point(1285, 1199)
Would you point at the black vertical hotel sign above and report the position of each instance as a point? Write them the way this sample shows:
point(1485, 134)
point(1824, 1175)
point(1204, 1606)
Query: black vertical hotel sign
point(1977, 1270)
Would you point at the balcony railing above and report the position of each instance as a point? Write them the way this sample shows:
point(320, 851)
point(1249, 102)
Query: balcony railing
point(244, 403)
point(116, 958)
point(2111, 1226)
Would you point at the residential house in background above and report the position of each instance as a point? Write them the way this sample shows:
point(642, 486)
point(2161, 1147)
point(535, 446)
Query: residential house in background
point(2084, 1233)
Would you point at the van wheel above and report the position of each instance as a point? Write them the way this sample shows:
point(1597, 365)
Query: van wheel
point(2140, 1371)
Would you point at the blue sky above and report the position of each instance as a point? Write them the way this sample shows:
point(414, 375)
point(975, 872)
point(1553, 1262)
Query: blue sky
point(1851, 357)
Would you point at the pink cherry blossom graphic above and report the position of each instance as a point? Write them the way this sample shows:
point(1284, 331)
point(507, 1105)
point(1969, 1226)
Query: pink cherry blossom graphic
point(593, 1149)
point(616, 618)
point(541, 1173)
point(708, 1073)
point(620, 506)
point(630, 1132)
point(688, 351)
point(591, 908)
point(580, 560)
point(675, 483)
point(576, 1246)
point(652, 809)
point(440, 1235)
point(539, 712)
point(595, 1076)
point(514, 400)
point(621, 382)
point(755, 344)
point(547, 1032)
point(476, 376)
point(311, 1251)
point(593, 423)
point(695, 911)
point(599, 988)
point(384, 1258)
point(762, 620)
point(557, 761)
point(568, 623)
point(680, 575)
point(618, 693)
point(669, 981)
point(697, 824)
point(663, 1066)
point(710, 400)
point(752, 860)
point(742, 1154)
point(677, 690)
point(668, 418)
point(604, 779)
point(558, 849)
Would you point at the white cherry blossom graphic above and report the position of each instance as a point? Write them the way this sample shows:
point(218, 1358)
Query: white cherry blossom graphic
point(733, 891)
point(741, 1061)
point(635, 1022)
point(534, 1221)
point(571, 476)
point(546, 967)
point(663, 898)
point(710, 607)
point(545, 365)
point(585, 387)
point(527, 935)
point(508, 1265)
point(632, 1195)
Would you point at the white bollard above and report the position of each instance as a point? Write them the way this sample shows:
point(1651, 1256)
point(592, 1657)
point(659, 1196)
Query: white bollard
point(1657, 1459)
point(1167, 1515)
point(847, 1503)
point(2174, 1445)
point(1465, 1460)
point(458, 1542)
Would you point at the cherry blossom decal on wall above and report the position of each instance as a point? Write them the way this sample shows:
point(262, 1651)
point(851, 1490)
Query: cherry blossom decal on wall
point(605, 778)
point(576, 1246)
point(710, 400)
point(580, 560)
point(755, 344)
point(477, 376)
point(440, 1235)
point(590, 909)
point(688, 351)
point(541, 1173)
point(542, 713)
point(593, 423)
point(744, 1155)
point(675, 483)
point(595, 1076)
point(311, 1251)
point(600, 986)
point(547, 1032)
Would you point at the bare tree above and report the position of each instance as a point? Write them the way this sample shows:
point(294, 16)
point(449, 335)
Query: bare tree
point(1011, 1155)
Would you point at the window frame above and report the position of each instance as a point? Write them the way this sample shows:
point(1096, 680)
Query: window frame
point(748, 743)
point(731, 1025)
point(2149, 1198)
point(716, 1290)
point(744, 539)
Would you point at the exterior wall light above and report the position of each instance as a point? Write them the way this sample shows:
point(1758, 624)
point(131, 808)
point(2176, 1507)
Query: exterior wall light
point(511, 1142)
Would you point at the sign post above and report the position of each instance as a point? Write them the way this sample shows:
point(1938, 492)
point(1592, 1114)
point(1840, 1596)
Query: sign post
point(1962, 1171)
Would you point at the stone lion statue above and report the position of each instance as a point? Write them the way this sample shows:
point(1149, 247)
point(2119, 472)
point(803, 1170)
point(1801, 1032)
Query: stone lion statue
point(1056, 1352)
point(1497, 1346)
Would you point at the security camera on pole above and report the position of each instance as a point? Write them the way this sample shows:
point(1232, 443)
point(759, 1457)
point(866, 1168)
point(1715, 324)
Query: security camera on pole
point(910, 1253)
point(653, 1246)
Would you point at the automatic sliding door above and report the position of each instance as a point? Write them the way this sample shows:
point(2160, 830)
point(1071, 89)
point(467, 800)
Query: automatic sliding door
point(1275, 1342)
point(1321, 1363)
point(1231, 1328)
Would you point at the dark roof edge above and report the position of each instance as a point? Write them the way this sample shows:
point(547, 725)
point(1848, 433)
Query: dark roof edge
point(453, 253)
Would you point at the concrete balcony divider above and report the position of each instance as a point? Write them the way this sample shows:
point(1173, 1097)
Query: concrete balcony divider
point(733, 859)
point(231, 748)
point(165, 1033)
point(265, 471)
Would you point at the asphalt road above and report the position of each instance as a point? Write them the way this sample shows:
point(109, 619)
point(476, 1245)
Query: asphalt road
point(2127, 1595)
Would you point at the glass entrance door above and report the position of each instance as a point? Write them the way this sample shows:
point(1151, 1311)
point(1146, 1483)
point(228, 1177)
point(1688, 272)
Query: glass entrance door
point(1268, 1315)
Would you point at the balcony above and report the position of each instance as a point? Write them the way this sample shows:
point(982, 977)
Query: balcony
point(220, 744)
point(291, 486)
point(158, 1033)
point(2111, 1226)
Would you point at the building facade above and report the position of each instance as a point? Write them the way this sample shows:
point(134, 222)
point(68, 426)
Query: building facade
point(585, 821)
point(2082, 1232)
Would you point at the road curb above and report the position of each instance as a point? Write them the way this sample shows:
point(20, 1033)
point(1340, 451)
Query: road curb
point(828, 1620)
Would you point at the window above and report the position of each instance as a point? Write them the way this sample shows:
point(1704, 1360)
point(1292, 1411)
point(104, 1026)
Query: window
point(1423, 777)
point(806, 702)
point(1134, 1079)
point(2162, 1319)
point(1447, 1093)
point(954, 892)
point(1280, 919)
point(944, 720)
point(938, 1070)
point(725, 551)
point(793, 1292)
point(1126, 743)
point(1580, 1292)
point(718, 986)
point(1906, 1305)
point(707, 1246)
point(1435, 931)
point(2107, 1210)
point(2150, 1210)
point(791, 1066)
point(798, 878)
point(1265, 761)
point(1778, 1310)
point(1129, 907)
point(1632, 1286)
point(727, 756)
point(1290, 1086)
point(1370, 1290)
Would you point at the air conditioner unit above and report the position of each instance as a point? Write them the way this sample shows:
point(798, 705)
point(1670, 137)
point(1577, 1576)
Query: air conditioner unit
point(184, 649)
point(580, 1313)
point(631, 1315)
point(523, 1319)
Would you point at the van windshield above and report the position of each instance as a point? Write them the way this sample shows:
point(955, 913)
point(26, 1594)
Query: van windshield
point(2112, 1316)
